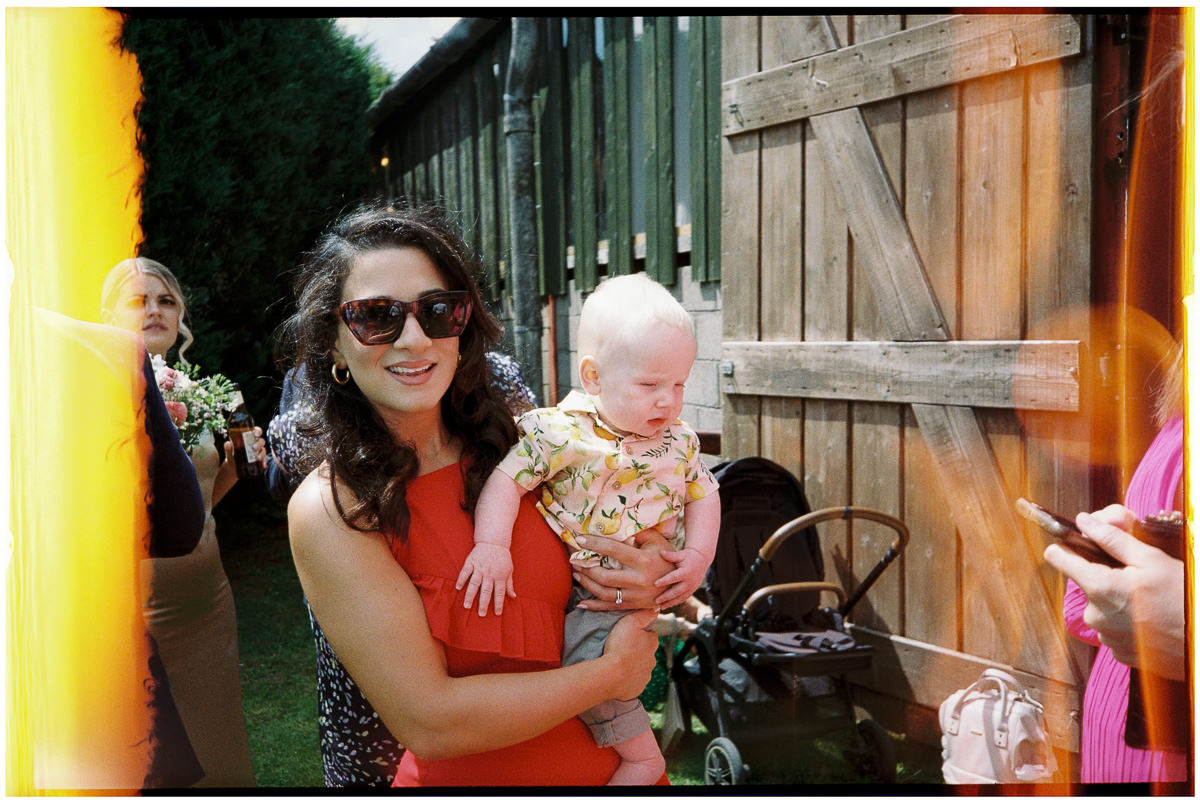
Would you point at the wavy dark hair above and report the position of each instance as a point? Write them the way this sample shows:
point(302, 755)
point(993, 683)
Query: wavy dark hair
point(346, 430)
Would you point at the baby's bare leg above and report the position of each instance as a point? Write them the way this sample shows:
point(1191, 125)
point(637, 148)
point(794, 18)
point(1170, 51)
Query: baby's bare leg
point(641, 761)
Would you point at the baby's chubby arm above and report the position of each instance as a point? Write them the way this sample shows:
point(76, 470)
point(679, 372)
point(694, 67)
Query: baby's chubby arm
point(702, 523)
point(488, 569)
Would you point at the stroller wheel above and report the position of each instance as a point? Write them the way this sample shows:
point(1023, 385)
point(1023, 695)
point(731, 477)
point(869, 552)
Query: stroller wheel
point(723, 763)
point(880, 752)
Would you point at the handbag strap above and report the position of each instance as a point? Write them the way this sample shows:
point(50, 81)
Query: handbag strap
point(1004, 683)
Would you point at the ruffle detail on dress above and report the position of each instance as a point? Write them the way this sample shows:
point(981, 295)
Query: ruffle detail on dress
point(528, 629)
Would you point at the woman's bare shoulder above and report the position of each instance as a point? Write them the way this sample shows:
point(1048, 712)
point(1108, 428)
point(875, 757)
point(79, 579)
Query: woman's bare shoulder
point(312, 512)
point(331, 556)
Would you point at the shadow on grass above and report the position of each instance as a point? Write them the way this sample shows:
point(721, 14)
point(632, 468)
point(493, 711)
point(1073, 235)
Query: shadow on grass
point(811, 762)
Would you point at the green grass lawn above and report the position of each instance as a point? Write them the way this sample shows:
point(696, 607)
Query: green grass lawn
point(279, 678)
point(278, 660)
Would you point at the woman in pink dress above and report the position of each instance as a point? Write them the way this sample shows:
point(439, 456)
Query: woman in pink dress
point(1134, 615)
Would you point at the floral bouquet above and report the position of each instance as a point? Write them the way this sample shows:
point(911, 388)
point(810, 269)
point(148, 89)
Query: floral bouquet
point(196, 404)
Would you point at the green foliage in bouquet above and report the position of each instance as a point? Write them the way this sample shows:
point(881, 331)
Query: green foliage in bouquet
point(207, 400)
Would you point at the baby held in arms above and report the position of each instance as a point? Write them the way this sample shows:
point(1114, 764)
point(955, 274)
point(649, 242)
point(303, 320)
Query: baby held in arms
point(612, 459)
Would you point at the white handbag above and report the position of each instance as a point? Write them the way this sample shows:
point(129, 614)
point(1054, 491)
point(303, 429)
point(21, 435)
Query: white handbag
point(994, 731)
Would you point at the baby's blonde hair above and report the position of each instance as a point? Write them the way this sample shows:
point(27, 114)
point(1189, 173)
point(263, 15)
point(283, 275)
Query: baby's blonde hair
point(125, 270)
point(622, 307)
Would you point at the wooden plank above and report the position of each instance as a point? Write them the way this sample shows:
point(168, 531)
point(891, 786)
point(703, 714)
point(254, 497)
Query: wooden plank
point(881, 237)
point(420, 169)
point(433, 151)
point(933, 55)
point(503, 224)
point(489, 170)
point(991, 173)
point(781, 233)
point(712, 150)
point(1036, 375)
point(1059, 260)
point(782, 237)
point(464, 89)
point(932, 591)
point(408, 161)
point(618, 154)
point(740, 211)
point(581, 37)
point(552, 253)
point(927, 675)
point(827, 437)
point(876, 449)
point(448, 143)
point(659, 155)
point(698, 145)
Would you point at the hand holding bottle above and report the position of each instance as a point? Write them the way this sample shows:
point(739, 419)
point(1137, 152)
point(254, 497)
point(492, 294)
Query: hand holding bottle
point(246, 444)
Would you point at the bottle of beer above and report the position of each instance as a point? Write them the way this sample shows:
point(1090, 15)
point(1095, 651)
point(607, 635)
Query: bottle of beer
point(241, 433)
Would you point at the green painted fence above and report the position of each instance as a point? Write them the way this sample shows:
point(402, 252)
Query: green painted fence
point(625, 179)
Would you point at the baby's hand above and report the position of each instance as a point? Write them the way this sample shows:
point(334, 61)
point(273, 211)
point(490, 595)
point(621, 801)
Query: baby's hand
point(488, 570)
point(685, 579)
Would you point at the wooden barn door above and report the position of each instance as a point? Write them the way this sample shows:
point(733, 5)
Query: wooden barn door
point(905, 207)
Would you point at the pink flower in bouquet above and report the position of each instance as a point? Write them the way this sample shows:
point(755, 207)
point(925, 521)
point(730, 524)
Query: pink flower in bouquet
point(177, 411)
point(166, 378)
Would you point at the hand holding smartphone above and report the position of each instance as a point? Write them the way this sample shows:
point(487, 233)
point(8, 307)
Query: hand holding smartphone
point(1065, 532)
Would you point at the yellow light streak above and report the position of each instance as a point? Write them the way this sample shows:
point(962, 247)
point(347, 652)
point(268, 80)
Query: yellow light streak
point(76, 715)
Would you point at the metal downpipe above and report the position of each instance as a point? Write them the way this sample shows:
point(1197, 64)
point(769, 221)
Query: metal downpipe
point(518, 135)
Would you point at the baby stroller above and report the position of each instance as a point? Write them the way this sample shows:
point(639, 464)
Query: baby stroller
point(768, 669)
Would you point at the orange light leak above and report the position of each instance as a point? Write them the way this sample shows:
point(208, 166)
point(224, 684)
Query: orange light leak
point(1191, 333)
point(76, 710)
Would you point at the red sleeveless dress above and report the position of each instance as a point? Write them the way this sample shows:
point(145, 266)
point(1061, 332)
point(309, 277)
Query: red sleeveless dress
point(526, 637)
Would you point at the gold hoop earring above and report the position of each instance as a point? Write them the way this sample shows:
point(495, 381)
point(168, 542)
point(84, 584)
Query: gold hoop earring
point(339, 379)
point(460, 358)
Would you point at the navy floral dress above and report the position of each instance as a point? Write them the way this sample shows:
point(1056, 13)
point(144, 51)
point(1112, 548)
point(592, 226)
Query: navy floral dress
point(357, 750)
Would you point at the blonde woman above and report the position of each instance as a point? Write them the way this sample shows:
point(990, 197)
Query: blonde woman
point(188, 604)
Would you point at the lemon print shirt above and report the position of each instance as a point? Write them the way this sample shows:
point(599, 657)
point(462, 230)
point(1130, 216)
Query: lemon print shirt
point(594, 481)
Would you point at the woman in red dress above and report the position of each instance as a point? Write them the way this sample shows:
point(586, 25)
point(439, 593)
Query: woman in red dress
point(392, 332)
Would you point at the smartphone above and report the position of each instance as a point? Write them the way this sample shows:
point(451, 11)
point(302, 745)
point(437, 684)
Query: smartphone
point(1065, 532)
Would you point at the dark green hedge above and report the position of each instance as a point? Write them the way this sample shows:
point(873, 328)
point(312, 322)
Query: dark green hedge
point(253, 137)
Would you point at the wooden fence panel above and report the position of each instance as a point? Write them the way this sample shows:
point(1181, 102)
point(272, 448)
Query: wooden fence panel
point(584, 105)
point(918, 223)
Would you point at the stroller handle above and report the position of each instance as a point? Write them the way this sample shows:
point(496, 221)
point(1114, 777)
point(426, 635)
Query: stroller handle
point(790, 588)
point(837, 512)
